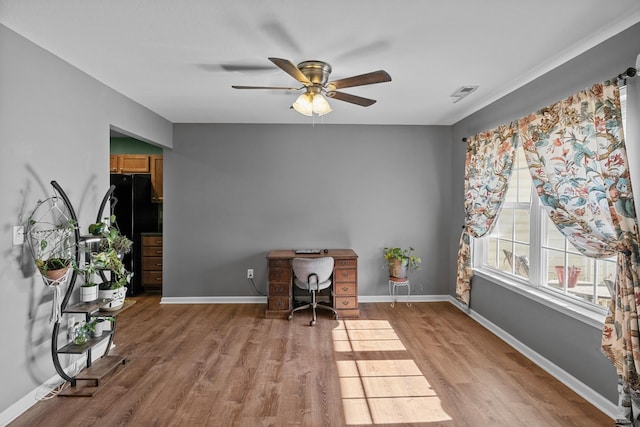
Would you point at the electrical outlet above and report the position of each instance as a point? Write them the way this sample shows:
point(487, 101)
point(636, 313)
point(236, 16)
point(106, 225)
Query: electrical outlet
point(249, 273)
point(18, 235)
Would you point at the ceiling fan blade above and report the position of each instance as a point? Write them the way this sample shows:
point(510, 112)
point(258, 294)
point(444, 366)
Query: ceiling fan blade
point(358, 100)
point(379, 76)
point(265, 87)
point(288, 67)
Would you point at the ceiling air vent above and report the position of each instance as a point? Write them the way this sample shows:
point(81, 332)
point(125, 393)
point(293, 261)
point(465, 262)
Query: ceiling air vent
point(462, 92)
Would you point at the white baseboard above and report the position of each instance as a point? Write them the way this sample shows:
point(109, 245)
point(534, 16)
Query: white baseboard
point(263, 300)
point(586, 392)
point(403, 298)
point(214, 300)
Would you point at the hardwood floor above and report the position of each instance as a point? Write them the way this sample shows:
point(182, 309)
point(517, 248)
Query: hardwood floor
point(226, 365)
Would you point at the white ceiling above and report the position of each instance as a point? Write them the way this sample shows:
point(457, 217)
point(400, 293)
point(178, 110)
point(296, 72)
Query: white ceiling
point(168, 55)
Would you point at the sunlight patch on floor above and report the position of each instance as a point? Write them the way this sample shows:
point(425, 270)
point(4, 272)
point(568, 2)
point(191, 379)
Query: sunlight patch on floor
point(381, 391)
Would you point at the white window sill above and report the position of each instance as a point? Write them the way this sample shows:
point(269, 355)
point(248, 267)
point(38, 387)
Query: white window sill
point(574, 310)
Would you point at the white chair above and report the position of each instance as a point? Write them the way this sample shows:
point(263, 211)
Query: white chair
point(313, 275)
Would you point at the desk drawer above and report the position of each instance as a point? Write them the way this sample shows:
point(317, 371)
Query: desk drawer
point(345, 263)
point(152, 263)
point(345, 289)
point(279, 290)
point(280, 275)
point(279, 263)
point(345, 275)
point(151, 278)
point(279, 303)
point(346, 303)
point(151, 251)
point(152, 241)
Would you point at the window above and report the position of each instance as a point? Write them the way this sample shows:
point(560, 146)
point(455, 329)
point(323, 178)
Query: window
point(526, 246)
point(508, 245)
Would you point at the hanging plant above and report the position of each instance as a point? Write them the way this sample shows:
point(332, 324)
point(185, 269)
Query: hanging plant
point(51, 234)
point(51, 244)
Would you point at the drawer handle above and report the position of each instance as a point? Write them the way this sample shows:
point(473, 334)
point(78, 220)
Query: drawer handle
point(344, 262)
point(279, 289)
point(159, 242)
point(159, 252)
point(344, 288)
point(158, 278)
point(345, 302)
point(159, 265)
point(345, 274)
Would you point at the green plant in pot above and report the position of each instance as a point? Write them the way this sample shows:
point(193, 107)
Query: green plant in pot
point(108, 257)
point(400, 261)
point(53, 268)
point(80, 333)
point(89, 288)
point(96, 325)
point(52, 249)
point(112, 239)
point(88, 291)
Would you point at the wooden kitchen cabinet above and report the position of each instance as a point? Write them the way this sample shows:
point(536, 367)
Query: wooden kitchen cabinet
point(141, 163)
point(151, 261)
point(129, 163)
point(156, 177)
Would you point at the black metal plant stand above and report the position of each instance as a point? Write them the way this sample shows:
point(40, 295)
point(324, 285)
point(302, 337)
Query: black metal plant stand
point(106, 364)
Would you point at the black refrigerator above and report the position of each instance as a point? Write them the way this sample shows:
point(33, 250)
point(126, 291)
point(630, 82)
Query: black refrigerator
point(135, 214)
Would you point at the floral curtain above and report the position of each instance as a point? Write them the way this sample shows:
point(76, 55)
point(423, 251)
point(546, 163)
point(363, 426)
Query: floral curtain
point(488, 165)
point(576, 155)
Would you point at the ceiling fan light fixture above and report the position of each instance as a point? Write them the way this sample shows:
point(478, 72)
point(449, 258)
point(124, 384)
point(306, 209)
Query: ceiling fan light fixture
point(310, 103)
point(320, 105)
point(304, 105)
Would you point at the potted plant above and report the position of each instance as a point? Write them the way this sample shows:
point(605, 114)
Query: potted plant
point(88, 291)
point(89, 288)
point(51, 249)
point(401, 261)
point(96, 326)
point(112, 239)
point(573, 274)
point(80, 333)
point(53, 269)
point(108, 257)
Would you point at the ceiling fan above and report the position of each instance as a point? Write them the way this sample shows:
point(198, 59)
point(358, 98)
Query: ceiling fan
point(314, 76)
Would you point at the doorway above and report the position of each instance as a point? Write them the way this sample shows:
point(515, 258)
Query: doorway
point(136, 170)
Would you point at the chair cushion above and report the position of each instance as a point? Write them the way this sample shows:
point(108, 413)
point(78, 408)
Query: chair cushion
point(303, 267)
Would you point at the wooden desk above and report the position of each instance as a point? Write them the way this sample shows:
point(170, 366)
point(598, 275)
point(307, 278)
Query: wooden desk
point(344, 293)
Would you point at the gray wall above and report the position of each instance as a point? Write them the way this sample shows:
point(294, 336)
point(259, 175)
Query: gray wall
point(566, 342)
point(233, 192)
point(54, 125)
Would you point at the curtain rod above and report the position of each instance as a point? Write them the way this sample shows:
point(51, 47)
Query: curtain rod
point(629, 72)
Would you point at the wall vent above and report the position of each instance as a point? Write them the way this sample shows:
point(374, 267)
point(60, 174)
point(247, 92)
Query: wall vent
point(462, 92)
